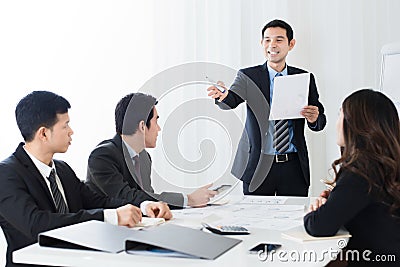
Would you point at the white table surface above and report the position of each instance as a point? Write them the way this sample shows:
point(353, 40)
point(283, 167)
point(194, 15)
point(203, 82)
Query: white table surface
point(237, 256)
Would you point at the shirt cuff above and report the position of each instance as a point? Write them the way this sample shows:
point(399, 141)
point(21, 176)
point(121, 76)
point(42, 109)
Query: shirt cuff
point(110, 216)
point(313, 125)
point(143, 206)
point(185, 200)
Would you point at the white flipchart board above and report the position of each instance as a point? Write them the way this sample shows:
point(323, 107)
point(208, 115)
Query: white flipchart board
point(390, 72)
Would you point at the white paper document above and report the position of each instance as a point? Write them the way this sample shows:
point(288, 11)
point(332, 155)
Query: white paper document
point(300, 235)
point(271, 224)
point(273, 200)
point(274, 217)
point(147, 221)
point(269, 211)
point(290, 96)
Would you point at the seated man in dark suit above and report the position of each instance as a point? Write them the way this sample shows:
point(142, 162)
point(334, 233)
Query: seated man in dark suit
point(113, 166)
point(39, 193)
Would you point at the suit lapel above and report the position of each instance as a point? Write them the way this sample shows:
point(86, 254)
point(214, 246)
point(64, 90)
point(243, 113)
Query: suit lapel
point(130, 169)
point(263, 76)
point(290, 70)
point(33, 174)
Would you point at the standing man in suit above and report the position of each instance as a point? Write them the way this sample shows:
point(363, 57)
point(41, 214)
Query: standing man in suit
point(121, 167)
point(272, 156)
point(39, 193)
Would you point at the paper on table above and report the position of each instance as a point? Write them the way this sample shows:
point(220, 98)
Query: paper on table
point(271, 224)
point(269, 211)
point(290, 96)
point(219, 202)
point(147, 221)
point(300, 235)
point(197, 214)
point(262, 200)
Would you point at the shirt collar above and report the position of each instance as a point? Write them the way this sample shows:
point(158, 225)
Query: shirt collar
point(43, 168)
point(272, 72)
point(131, 151)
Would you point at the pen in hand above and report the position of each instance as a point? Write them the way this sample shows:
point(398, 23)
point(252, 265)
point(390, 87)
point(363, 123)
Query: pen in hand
point(216, 84)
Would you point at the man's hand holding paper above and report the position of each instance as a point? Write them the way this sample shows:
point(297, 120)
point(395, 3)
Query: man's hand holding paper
point(310, 113)
point(290, 98)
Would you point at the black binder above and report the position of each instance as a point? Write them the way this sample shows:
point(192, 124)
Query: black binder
point(101, 236)
point(184, 240)
point(91, 235)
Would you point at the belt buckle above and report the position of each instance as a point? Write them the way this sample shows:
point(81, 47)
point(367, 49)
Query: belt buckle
point(281, 158)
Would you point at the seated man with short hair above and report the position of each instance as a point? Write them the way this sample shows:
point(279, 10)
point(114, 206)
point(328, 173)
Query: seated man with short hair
point(113, 166)
point(39, 193)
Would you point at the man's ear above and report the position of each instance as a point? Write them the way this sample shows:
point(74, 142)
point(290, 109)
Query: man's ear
point(142, 126)
point(291, 44)
point(41, 133)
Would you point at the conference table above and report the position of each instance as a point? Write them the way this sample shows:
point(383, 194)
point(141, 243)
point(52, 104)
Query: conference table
point(263, 230)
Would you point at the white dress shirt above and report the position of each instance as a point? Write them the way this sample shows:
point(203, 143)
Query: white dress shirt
point(110, 215)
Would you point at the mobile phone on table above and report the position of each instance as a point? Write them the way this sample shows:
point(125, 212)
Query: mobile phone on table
point(264, 247)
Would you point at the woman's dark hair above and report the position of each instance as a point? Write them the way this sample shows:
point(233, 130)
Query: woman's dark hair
point(371, 132)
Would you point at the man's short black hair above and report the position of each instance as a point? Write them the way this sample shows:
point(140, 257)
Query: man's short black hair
point(281, 24)
point(131, 110)
point(39, 109)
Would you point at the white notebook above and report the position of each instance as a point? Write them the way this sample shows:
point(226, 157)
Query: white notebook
point(301, 235)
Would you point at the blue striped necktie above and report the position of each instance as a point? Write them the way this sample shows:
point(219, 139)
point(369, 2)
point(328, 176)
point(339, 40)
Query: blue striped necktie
point(281, 133)
point(58, 198)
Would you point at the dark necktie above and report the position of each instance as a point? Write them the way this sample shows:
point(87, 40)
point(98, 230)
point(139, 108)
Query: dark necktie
point(137, 171)
point(281, 133)
point(58, 198)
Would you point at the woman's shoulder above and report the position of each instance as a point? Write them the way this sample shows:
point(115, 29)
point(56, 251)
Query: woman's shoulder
point(353, 180)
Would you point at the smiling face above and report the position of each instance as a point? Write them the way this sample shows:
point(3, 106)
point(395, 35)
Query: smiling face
point(276, 47)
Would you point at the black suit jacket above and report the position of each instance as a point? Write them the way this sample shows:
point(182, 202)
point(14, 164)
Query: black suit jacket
point(253, 86)
point(111, 172)
point(355, 205)
point(27, 207)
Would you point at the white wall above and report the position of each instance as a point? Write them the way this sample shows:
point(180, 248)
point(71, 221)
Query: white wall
point(94, 52)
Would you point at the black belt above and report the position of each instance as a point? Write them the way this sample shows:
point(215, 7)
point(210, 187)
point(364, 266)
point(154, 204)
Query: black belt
point(285, 157)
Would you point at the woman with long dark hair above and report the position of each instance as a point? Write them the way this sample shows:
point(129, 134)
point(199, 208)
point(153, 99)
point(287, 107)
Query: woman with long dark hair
point(366, 198)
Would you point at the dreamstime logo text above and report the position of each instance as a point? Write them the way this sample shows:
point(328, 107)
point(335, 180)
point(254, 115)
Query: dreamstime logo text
point(325, 255)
